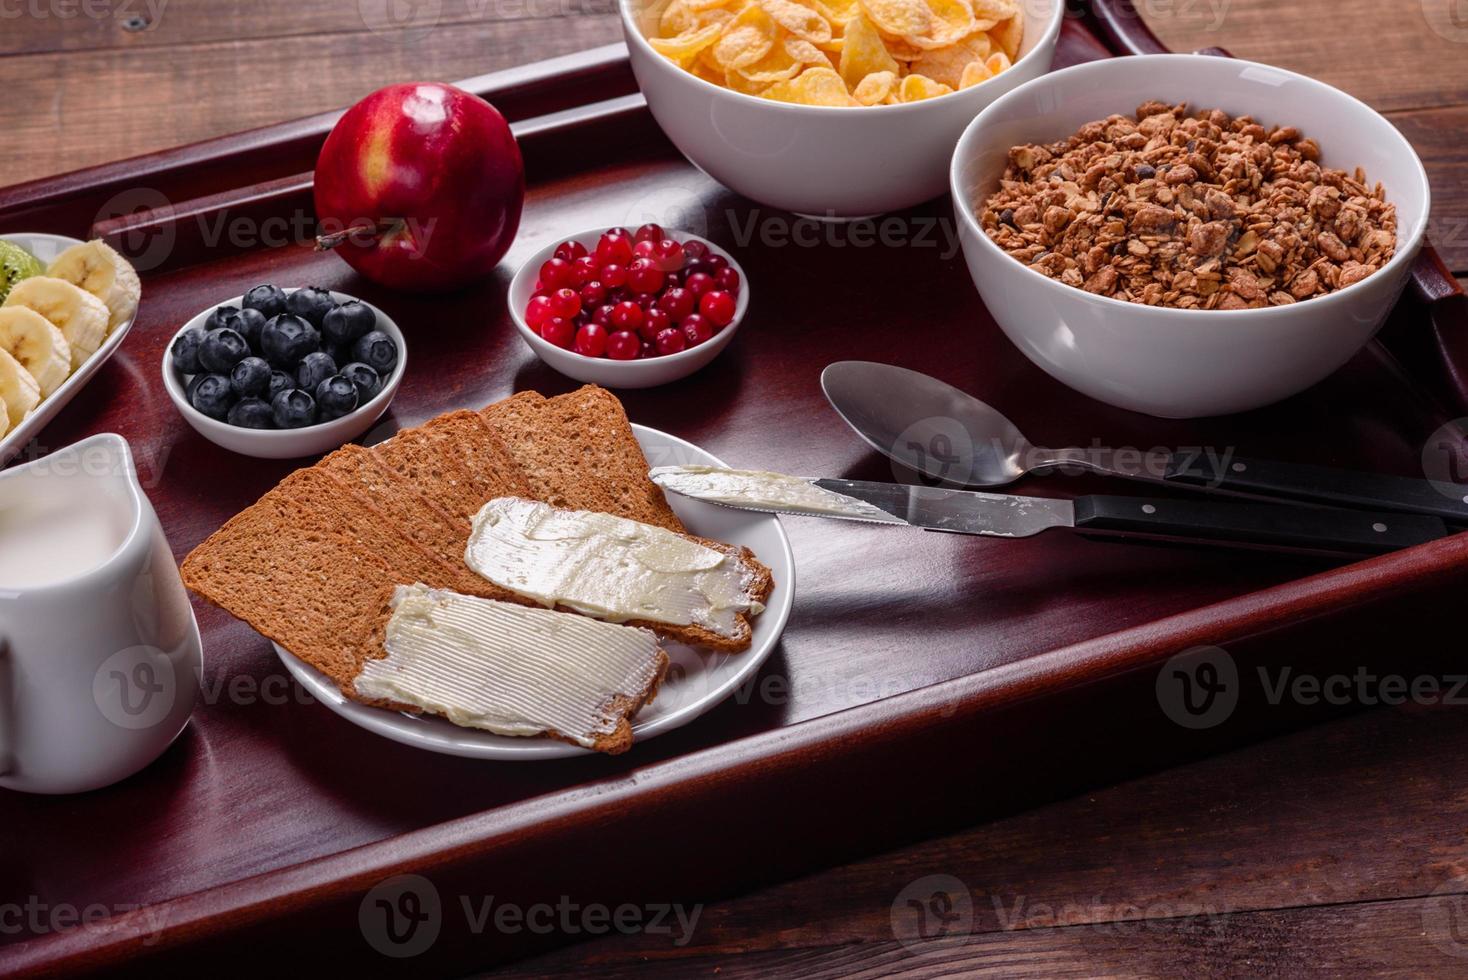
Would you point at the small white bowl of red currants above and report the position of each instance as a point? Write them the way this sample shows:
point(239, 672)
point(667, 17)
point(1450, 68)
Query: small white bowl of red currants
point(284, 373)
point(629, 309)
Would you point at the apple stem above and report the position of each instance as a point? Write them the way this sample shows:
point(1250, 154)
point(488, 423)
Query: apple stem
point(360, 234)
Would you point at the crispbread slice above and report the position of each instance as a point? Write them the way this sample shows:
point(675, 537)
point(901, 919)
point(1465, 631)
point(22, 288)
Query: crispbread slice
point(578, 451)
point(364, 476)
point(760, 588)
point(314, 591)
point(491, 468)
point(419, 459)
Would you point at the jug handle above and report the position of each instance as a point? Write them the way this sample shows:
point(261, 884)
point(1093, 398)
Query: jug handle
point(6, 762)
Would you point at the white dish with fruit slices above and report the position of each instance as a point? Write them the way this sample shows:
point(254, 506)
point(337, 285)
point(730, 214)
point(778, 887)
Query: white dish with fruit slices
point(310, 440)
point(697, 680)
point(46, 248)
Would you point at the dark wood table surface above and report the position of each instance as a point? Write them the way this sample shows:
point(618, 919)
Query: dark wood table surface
point(1341, 849)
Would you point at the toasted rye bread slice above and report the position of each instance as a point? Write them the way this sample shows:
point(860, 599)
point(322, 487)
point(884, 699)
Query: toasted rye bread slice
point(377, 488)
point(491, 468)
point(578, 451)
point(421, 460)
point(761, 585)
point(317, 592)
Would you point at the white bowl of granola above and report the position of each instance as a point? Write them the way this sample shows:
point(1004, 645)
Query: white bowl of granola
point(1189, 288)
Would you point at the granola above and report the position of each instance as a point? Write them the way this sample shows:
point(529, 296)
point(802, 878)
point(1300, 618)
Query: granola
point(1192, 211)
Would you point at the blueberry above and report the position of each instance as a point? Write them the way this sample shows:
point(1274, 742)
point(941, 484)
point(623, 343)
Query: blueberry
point(285, 339)
point(186, 350)
point(217, 319)
point(314, 369)
point(340, 353)
point(192, 387)
point(222, 349)
point(377, 351)
point(251, 413)
point(248, 324)
point(336, 396)
point(367, 382)
point(279, 381)
point(268, 299)
point(293, 409)
point(250, 378)
point(212, 395)
point(311, 304)
point(346, 323)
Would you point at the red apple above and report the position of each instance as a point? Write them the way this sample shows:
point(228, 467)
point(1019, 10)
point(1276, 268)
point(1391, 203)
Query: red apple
point(419, 186)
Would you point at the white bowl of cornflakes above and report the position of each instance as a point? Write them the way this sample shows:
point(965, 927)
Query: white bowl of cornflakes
point(770, 97)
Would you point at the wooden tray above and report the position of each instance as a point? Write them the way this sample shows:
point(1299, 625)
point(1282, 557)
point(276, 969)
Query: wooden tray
point(924, 680)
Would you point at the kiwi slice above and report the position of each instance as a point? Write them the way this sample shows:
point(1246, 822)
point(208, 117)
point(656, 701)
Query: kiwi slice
point(16, 264)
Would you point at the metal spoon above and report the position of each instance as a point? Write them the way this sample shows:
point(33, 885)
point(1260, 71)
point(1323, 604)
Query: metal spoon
point(950, 436)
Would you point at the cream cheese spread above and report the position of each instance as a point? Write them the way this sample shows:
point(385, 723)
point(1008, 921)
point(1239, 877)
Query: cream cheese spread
point(508, 669)
point(608, 567)
point(756, 488)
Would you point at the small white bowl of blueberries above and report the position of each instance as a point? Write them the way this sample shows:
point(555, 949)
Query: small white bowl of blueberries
point(283, 373)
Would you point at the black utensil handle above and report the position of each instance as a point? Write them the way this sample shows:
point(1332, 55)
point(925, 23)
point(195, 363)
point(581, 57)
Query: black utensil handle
point(1321, 484)
point(1297, 529)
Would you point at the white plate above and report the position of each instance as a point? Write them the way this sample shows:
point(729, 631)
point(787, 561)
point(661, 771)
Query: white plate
point(46, 248)
point(697, 680)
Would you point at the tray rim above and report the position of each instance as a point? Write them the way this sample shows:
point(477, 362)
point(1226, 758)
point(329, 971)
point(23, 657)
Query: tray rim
point(202, 916)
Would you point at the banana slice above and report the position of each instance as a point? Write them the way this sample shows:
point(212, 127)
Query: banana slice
point(35, 342)
point(96, 267)
point(80, 316)
point(18, 390)
point(4, 419)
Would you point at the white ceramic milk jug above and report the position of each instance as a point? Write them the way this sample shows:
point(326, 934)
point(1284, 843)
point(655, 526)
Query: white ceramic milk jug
point(100, 656)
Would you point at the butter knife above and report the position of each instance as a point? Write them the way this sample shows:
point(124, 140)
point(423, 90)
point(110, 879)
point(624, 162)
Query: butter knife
point(1293, 529)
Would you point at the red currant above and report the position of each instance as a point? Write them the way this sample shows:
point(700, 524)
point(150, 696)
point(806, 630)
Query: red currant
point(602, 317)
point(614, 248)
point(714, 264)
point(559, 331)
point(717, 307)
point(727, 279)
point(696, 329)
point(565, 303)
point(695, 250)
point(699, 283)
point(677, 302)
point(537, 311)
point(591, 340)
point(668, 255)
point(648, 350)
point(644, 277)
point(593, 294)
point(671, 341)
point(649, 232)
point(555, 273)
point(644, 300)
point(624, 345)
point(626, 316)
point(644, 250)
point(654, 322)
point(570, 251)
point(614, 275)
point(584, 270)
